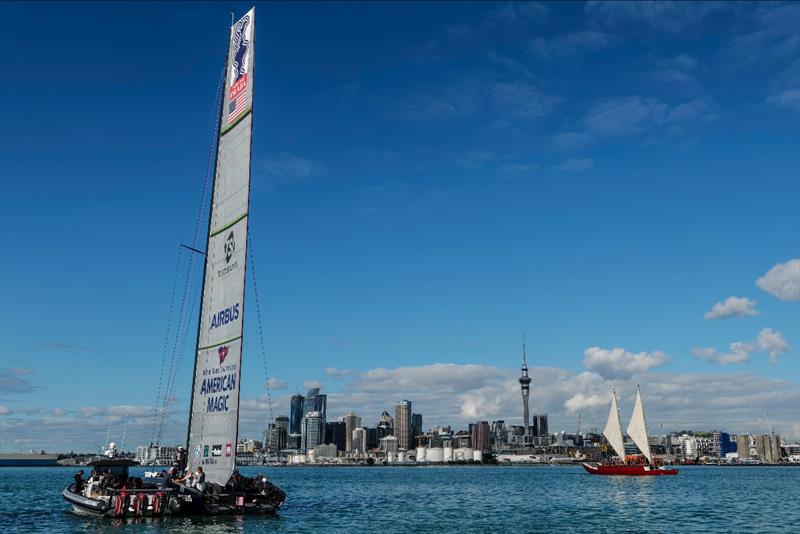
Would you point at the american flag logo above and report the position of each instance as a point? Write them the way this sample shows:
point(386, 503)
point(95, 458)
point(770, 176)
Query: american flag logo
point(236, 106)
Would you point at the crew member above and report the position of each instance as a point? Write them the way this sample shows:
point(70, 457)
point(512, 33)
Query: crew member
point(79, 481)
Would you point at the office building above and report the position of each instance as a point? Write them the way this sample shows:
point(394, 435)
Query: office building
point(296, 414)
point(313, 431)
point(351, 422)
point(335, 434)
point(416, 424)
point(402, 421)
point(481, 439)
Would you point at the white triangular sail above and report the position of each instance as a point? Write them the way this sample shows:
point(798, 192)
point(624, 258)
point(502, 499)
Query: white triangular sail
point(637, 429)
point(214, 414)
point(613, 430)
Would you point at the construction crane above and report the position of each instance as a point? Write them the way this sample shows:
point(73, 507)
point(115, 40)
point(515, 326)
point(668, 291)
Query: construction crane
point(771, 428)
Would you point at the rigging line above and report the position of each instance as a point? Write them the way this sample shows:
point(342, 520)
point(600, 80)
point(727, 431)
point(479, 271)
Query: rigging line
point(166, 344)
point(260, 330)
point(213, 124)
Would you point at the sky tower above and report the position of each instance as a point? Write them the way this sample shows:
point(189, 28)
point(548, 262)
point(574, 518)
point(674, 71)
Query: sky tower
point(525, 384)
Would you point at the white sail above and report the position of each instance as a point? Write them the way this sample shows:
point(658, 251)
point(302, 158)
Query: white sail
point(637, 429)
point(613, 430)
point(214, 415)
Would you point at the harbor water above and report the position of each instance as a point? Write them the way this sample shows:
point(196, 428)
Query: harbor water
point(453, 499)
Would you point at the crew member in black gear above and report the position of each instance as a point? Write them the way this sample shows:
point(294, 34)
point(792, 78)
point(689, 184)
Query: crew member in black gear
point(79, 481)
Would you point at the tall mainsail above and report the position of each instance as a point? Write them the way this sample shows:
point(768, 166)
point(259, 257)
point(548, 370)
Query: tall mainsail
point(214, 413)
point(637, 429)
point(613, 430)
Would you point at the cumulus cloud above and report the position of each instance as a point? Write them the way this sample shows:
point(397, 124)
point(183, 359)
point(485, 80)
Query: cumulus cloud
point(782, 281)
point(732, 307)
point(619, 363)
point(768, 340)
point(309, 384)
point(337, 373)
point(277, 384)
point(626, 116)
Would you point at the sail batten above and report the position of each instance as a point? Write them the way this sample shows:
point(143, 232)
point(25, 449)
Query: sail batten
point(613, 430)
point(214, 416)
point(637, 428)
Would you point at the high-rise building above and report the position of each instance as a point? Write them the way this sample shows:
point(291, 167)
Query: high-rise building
point(313, 431)
point(525, 385)
point(351, 422)
point(359, 440)
point(402, 421)
point(385, 420)
point(335, 434)
point(277, 435)
point(416, 424)
point(481, 437)
point(499, 434)
point(721, 444)
point(540, 430)
point(296, 414)
point(371, 439)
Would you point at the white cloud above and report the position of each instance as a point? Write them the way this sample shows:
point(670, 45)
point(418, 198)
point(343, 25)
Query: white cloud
point(570, 140)
point(664, 16)
point(309, 384)
point(789, 98)
point(783, 280)
point(617, 117)
point(619, 363)
point(773, 342)
point(5, 410)
point(732, 307)
point(338, 373)
point(768, 340)
point(277, 384)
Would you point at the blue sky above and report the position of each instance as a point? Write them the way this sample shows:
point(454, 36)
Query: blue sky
point(429, 181)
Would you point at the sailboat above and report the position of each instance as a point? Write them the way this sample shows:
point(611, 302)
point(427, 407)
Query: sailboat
point(637, 430)
point(204, 479)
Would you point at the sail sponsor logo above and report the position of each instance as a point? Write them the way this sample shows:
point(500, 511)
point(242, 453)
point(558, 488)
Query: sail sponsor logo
point(227, 449)
point(205, 451)
point(223, 353)
point(225, 316)
point(240, 60)
point(228, 247)
point(216, 450)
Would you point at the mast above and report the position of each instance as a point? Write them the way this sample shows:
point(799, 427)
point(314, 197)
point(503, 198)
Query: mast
point(637, 428)
point(214, 413)
point(613, 430)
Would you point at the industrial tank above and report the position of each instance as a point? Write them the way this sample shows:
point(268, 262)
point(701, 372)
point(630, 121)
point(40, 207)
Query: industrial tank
point(448, 454)
point(477, 456)
point(435, 455)
point(421, 455)
point(468, 453)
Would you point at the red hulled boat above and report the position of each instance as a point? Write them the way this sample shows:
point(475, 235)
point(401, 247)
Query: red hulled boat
point(629, 470)
point(637, 430)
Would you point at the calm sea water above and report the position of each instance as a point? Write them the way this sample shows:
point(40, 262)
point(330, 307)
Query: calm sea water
point(455, 499)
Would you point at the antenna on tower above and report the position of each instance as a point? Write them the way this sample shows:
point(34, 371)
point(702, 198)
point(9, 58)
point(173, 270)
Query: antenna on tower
point(524, 351)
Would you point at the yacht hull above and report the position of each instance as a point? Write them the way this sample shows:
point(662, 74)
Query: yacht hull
point(628, 470)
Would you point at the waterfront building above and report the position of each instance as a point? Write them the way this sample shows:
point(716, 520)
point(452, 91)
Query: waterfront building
point(389, 444)
point(325, 451)
point(540, 430)
point(525, 385)
point(481, 439)
point(402, 420)
point(296, 413)
point(359, 440)
point(335, 434)
point(276, 436)
point(294, 441)
point(416, 424)
point(499, 434)
point(462, 440)
point(351, 422)
point(371, 438)
point(246, 446)
point(768, 448)
point(313, 431)
point(721, 444)
point(156, 455)
point(743, 445)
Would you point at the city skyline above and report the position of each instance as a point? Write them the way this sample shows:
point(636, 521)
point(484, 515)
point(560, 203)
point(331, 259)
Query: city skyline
point(429, 181)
